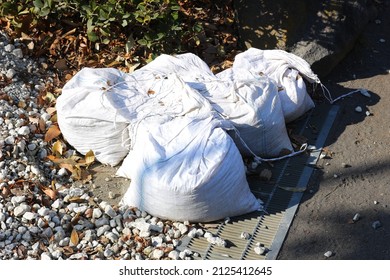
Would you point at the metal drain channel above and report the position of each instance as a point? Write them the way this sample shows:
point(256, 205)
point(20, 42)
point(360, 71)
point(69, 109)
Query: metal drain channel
point(270, 227)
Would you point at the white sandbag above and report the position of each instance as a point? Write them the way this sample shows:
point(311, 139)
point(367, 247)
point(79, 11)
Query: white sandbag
point(293, 95)
point(87, 117)
point(250, 102)
point(286, 70)
point(186, 169)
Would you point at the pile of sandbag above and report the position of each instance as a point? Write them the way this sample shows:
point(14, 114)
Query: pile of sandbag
point(181, 132)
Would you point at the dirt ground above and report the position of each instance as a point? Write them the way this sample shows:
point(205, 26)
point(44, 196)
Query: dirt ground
point(356, 179)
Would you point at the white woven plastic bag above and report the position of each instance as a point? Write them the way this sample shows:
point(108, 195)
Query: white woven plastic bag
point(247, 100)
point(87, 117)
point(251, 102)
point(182, 164)
point(287, 70)
point(187, 169)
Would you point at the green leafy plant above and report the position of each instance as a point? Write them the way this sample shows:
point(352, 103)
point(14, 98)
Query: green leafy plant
point(153, 25)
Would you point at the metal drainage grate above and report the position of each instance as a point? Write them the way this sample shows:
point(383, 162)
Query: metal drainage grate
point(281, 198)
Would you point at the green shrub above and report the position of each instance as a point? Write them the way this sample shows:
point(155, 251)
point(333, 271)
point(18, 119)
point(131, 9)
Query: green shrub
point(149, 26)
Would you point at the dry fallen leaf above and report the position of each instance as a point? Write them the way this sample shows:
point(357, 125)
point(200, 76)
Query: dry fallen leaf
point(49, 192)
point(68, 251)
point(57, 148)
point(53, 132)
point(89, 158)
point(51, 110)
point(86, 178)
point(42, 124)
point(74, 237)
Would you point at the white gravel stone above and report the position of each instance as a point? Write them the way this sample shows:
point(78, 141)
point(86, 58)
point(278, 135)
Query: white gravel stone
point(101, 230)
point(112, 237)
point(78, 256)
point(76, 192)
point(57, 203)
point(24, 130)
point(56, 254)
point(21, 210)
point(328, 254)
point(261, 250)
point(80, 209)
point(34, 229)
point(199, 232)
point(176, 242)
point(183, 228)
point(10, 73)
point(16, 200)
point(9, 48)
point(110, 211)
point(64, 242)
point(177, 234)
point(18, 53)
point(358, 109)
point(141, 225)
point(245, 235)
point(97, 213)
point(217, 241)
point(29, 216)
point(10, 140)
point(103, 204)
point(35, 170)
point(89, 235)
point(157, 241)
point(182, 255)
point(192, 233)
point(157, 254)
point(174, 255)
point(72, 206)
point(41, 223)
point(356, 217)
point(46, 117)
point(43, 211)
point(62, 172)
point(108, 252)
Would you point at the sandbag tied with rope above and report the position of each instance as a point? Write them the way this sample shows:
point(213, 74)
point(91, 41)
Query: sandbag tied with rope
point(249, 101)
point(288, 71)
point(87, 117)
point(182, 164)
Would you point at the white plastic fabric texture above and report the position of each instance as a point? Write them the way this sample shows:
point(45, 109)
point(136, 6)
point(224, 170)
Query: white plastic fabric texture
point(87, 118)
point(294, 98)
point(247, 100)
point(187, 169)
point(252, 104)
point(287, 70)
point(182, 164)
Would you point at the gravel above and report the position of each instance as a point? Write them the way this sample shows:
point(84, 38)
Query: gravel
point(75, 224)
